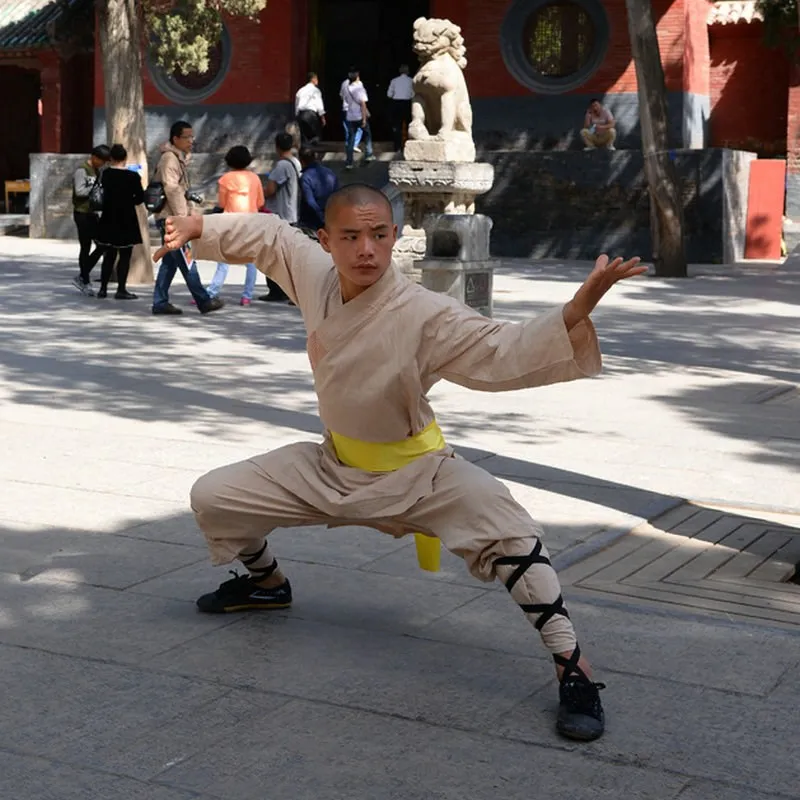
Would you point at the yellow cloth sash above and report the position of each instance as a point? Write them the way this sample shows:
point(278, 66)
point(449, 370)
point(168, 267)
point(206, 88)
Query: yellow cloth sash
point(387, 456)
point(391, 456)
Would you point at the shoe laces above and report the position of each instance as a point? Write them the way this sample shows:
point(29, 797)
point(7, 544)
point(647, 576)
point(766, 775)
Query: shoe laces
point(582, 696)
point(234, 584)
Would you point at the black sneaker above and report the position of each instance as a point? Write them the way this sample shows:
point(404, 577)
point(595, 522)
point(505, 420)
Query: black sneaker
point(102, 293)
point(125, 295)
point(241, 593)
point(580, 712)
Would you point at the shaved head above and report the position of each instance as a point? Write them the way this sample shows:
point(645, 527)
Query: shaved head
point(359, 233)
point(355, 194)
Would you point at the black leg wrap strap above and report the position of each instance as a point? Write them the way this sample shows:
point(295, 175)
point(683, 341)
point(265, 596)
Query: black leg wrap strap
point(265, 572)
point(523, 563)
point(247, 559)
point(547, 611)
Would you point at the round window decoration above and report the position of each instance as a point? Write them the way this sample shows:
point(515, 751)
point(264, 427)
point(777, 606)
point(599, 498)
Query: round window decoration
point(195, 86)
point(554, 46)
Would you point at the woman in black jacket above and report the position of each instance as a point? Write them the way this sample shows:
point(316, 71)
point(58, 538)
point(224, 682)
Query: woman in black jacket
point(119, 223)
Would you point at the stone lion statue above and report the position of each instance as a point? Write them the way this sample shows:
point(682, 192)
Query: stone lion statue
point(441, 115)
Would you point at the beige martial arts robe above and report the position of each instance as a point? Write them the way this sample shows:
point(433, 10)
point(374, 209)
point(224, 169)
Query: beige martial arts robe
point(374, 360)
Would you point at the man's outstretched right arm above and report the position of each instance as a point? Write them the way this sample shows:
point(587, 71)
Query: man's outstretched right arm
point(283, 253)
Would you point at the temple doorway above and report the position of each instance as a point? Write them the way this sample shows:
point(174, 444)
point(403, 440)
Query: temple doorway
point(374, 35)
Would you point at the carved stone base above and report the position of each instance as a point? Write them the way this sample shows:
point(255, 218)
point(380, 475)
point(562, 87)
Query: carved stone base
point(438, 151)
point(430, 188)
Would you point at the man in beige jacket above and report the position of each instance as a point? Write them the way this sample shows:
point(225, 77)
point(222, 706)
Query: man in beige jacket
point(377, 343)
point(172, 172)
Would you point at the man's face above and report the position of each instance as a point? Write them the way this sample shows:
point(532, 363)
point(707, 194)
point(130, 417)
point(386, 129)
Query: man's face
point(315, 80)
point(185, 141)
point(595, 107)
point(97, 162)
point(360, 238)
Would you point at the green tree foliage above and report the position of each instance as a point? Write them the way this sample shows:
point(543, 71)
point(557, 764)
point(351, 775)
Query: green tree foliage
point(781, 28)
point(182, 33)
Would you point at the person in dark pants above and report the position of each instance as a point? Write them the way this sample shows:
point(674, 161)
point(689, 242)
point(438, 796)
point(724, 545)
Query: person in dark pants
point(172, 172)
point(83, 182)
point(400, 93)
point(309, 110)
point(118, 231)
point(317, 184)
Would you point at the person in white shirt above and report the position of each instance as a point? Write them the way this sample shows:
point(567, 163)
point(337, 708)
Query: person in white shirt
point(343, 95)
point(357, 115)
point(400, 92)
point(599, 127)
point(309, 109)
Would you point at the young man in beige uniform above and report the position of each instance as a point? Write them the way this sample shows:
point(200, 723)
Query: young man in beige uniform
point(377, 343)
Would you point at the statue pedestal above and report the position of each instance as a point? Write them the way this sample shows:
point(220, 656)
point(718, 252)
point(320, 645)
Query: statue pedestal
point(457, 260)
point(430, 187)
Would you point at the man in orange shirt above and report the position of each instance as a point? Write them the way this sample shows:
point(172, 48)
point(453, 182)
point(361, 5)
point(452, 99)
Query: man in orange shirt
point(240, 192)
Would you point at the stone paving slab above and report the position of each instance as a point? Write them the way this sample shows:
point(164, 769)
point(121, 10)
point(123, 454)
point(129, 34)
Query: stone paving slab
point(703, 558)
point(426, 762)
point(729, 720)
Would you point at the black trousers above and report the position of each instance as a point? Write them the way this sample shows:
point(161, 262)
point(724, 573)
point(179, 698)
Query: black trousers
point(400, 114)
point(123, 265)
point(310, 125)
point(87, 230)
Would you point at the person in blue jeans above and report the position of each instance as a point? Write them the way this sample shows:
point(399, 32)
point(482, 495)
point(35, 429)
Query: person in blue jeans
point(359, 133)
point(355, 99)
point(239, 192)
point(173, 175)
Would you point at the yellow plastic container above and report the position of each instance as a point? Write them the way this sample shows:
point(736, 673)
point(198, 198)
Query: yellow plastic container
point(429, 552)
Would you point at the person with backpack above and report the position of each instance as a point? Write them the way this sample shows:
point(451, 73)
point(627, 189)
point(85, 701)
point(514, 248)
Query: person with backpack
point(118, 231)
point(240, 192)
point(283, 197)
point(172, 173)
point(85, 207)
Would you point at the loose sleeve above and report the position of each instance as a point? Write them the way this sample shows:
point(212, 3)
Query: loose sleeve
point(82, 182)
point(295, 262)
point(464, 347)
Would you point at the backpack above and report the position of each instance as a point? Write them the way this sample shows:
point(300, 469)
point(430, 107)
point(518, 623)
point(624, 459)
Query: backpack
point(155, 197)
point(96, 194)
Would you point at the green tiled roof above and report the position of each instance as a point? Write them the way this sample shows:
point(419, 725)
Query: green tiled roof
point(23, 23)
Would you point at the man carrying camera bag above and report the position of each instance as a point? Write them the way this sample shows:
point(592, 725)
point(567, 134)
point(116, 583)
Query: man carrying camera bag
point(172, 173)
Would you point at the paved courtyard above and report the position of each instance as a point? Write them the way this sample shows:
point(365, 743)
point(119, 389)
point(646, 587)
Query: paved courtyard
point(668, 489)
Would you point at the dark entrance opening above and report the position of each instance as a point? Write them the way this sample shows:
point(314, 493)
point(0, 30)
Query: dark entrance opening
point(374, 35)
point(19, 135)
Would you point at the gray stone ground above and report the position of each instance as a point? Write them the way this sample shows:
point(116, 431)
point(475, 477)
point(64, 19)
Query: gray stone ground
point(382, 681)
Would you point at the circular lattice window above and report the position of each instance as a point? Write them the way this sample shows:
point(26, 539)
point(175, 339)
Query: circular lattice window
point(554, 47)
point(195, 86)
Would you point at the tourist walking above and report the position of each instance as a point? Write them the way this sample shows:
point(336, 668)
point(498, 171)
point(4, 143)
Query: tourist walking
point(400, 94)
point(118, 231)
point(357, 115)
point(240, 192)
point(172, 173)
point(84, 181)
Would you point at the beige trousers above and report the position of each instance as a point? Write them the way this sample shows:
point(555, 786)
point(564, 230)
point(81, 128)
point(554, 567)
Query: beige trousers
point(600, 140)
point(472, 513)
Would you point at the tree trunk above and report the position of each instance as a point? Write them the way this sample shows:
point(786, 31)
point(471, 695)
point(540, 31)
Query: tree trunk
point(121, 48)
point(666, 212)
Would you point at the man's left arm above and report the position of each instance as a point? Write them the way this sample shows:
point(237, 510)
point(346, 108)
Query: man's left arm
point(464, 347)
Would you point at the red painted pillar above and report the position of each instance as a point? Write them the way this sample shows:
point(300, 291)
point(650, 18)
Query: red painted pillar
point(793, 146)
point(51, 119)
